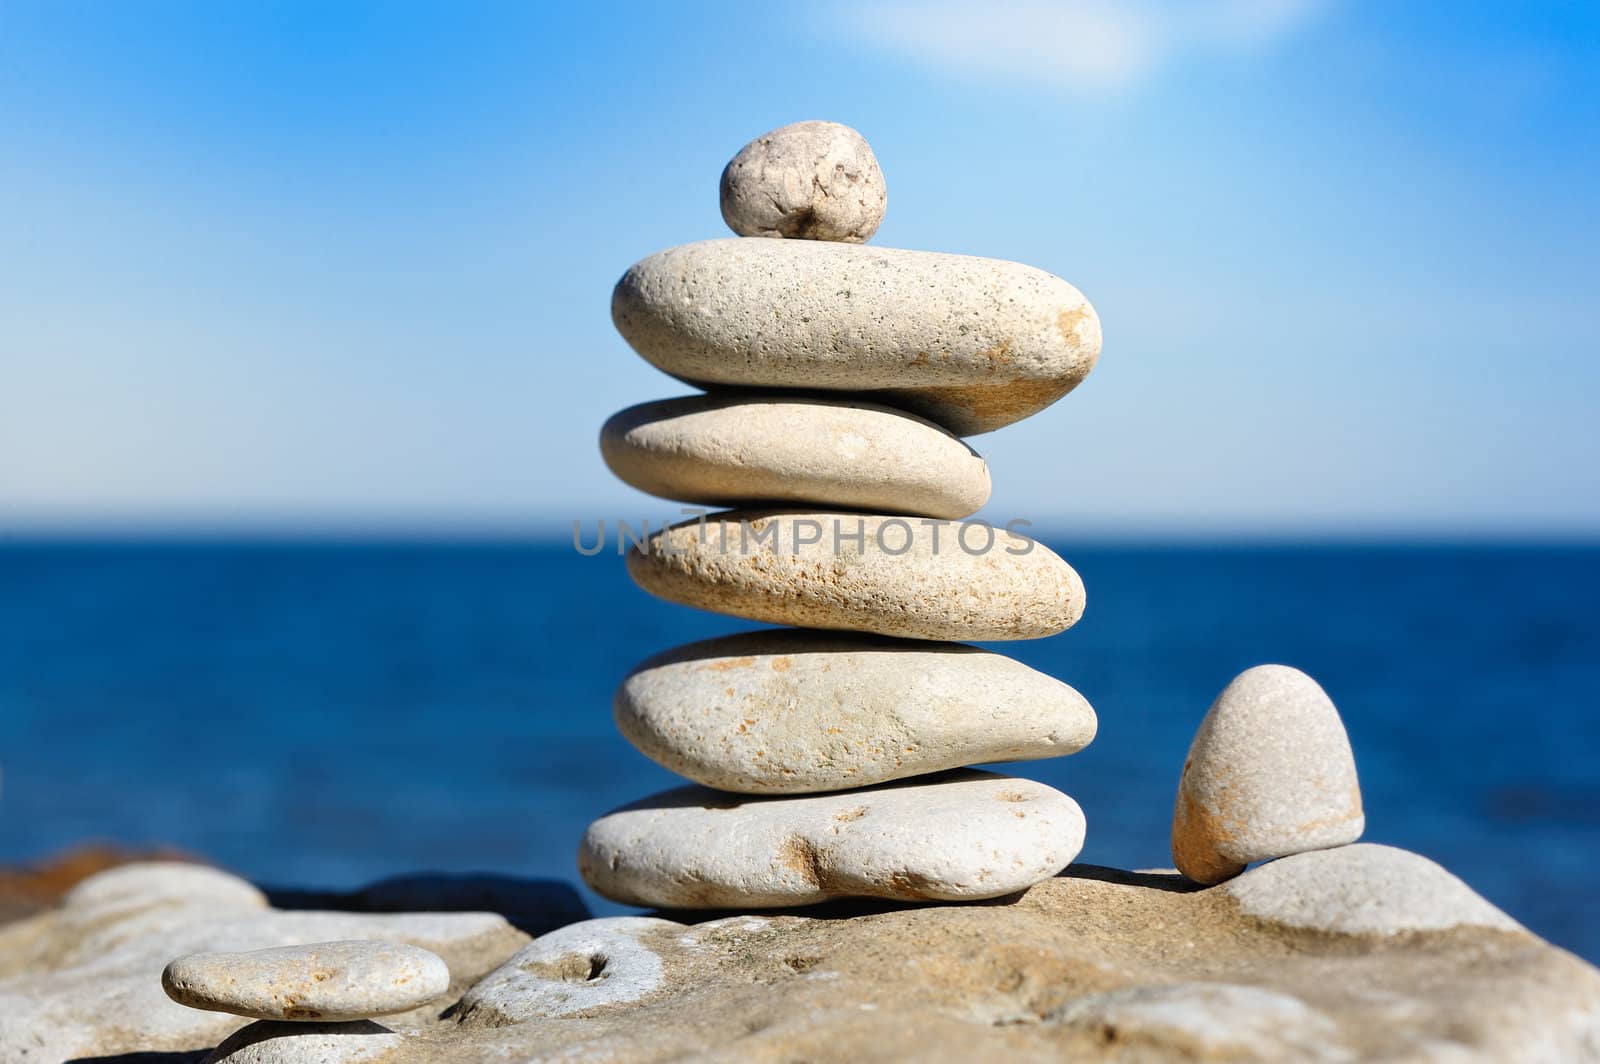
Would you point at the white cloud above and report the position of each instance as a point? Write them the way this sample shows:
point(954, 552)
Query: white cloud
point(1080, 45)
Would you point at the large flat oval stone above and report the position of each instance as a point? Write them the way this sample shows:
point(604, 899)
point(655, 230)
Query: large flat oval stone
point(907, 577)
point(352, 980)
point(972, 343)
point(727, 450)
point(963, 836)
point(795, 711)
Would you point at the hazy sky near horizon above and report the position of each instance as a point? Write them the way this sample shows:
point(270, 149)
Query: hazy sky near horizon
point(312, 265)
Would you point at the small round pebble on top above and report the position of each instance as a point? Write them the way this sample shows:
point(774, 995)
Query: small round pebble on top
point(808, 180)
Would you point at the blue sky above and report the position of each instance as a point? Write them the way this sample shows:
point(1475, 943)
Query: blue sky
point(335, 266)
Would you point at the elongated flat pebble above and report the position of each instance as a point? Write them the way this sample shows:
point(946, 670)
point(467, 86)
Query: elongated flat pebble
point(807, 180)
point(792, 712)
point(352, 980)
point(1270, 773)
point(963, 836)
point(907, 577)
point(971, 343)
point(725, 451)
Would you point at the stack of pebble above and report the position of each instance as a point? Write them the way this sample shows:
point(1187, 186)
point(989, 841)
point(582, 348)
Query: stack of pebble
point(840, 378)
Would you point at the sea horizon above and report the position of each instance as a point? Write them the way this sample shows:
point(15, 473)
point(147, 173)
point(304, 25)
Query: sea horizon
point(320, 713)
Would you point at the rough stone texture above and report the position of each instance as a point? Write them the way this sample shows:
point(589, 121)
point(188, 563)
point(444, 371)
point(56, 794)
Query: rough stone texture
point(1270, 773)
point(1209, 1020)
point(581, 967)
point(963, 835)
point(1093, 965)
point(908, 577)
point(809, 180)
point(1363, 890)
point(824, 452)
point(791, 712)
point(85, 980)
point(971, 343)
point(350, 980)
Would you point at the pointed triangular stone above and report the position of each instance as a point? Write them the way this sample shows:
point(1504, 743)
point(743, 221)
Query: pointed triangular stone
point(1270, 773)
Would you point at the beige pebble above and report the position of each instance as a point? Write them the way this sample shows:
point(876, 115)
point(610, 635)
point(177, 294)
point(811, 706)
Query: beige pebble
point(963, 836)
point(351, 980)
point(1270, 773)
point(795, 711)
point(807, 180)
point(907, 577)
point(1363, 889)
point(970, 343)
point(822, 452)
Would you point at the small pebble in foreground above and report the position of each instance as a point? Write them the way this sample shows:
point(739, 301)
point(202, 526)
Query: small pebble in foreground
point(1270, 773)
point(810, 180)
point(959, 837)
point(352, 980)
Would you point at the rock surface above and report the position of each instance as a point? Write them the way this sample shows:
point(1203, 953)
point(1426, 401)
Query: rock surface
point(809, 180)
point(1363, 890)
point(585, 966)
point(85, 980)
point(907, 577)
point(963, 835)
point(1209, 1020)
point(1092, 965)
point(971, 343)
point(1270, 773)
point(350, 980)
point(791, 712)
point(728, 450)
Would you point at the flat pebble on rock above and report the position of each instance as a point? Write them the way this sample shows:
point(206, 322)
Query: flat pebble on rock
point(1095, 965)
point(1270, 773)
point(963, 836)
point(916, 579)
point(970, 343)
point(84, 981)
point(1365, 889)
point(791, 712)
point(353, 980)
point(807, 180)
point(726, 451)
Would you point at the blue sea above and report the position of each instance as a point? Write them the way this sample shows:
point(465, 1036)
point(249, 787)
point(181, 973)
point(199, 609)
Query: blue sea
point(321, 714)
